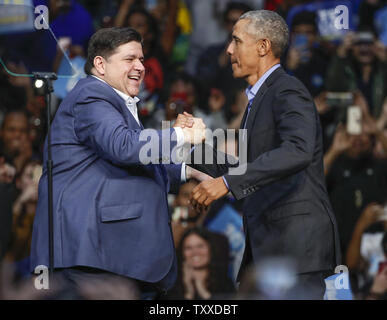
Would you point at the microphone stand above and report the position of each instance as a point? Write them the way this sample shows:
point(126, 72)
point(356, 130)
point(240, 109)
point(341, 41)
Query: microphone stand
point(47, 78)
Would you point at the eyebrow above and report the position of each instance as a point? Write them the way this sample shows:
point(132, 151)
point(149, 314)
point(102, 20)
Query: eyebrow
point(236, 38)
point(132, 56)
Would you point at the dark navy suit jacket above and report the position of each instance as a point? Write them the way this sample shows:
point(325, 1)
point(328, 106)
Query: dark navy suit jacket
point(286, 206)
point(110, 209)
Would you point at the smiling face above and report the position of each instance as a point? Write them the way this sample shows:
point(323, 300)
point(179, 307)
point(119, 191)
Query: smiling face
point(196, 252)
point(243, 52)
point(124, 69)
point(14, 132)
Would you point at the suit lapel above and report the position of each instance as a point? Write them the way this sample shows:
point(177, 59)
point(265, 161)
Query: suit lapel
point(255, 108)
point(119, 104)
point(128, 115)
point(258, 98)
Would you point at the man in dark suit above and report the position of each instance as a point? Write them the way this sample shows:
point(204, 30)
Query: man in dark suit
point(109, 197)
point(286, 207)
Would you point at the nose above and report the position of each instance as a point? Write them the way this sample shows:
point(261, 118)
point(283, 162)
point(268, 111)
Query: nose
point(139, 66)
point(230, 48)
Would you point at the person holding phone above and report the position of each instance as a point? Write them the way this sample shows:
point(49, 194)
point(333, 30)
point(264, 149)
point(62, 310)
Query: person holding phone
point(305, 58)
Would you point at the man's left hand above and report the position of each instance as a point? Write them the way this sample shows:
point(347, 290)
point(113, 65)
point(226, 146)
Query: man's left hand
point(183, 121)
point(208, 191)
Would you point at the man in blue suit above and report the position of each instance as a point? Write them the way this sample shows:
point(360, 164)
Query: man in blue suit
point(110, 207)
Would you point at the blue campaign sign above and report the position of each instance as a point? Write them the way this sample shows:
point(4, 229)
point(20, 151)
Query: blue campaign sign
point(229, 223)
point(64, 85)
point(380, 19)
point(338, 287)
point(334, 18)
point(16, 16)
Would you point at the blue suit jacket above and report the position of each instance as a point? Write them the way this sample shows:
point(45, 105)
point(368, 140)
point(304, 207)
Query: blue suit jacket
point(110, 210)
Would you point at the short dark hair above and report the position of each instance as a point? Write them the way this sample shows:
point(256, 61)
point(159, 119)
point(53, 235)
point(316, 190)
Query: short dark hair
point(105, 41)
point(305, 17)
point(239, 6)
point(19, 111)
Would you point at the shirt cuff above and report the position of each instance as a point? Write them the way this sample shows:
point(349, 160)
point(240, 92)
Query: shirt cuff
point(183, 177)
point(225, 182)
point(179, 136)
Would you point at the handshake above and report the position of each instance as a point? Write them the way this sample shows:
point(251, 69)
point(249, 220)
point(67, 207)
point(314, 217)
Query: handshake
point(193, 128)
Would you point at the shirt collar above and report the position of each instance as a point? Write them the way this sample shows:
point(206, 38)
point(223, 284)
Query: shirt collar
point(251, 91)
point(128, 99)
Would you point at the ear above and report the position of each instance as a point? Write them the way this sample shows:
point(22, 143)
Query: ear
point(263, 47)
point(99, 64)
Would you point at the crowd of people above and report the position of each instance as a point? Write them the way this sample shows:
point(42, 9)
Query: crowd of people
point(188, 69)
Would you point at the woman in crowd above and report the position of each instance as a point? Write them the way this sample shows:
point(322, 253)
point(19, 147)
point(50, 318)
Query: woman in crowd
point(202, 270)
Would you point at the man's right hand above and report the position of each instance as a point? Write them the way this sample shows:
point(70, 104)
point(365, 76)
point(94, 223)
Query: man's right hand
point(196, 133)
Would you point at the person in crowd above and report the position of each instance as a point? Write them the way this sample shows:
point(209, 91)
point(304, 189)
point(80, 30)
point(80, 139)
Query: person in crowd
point(155, 53)
point(164, 15)
point(377, 288)
point(202, 271)
point(213, 66)
point(238, 101)
point(7, 174)
point(183, 95)
point(365, 253)
point(354, 178)
point(15, 144)
point(24, 208)
point(283, 177)
point(305, 58)
point(69, 20)
point(360, 65)
point(184, 216)
point(367, 10)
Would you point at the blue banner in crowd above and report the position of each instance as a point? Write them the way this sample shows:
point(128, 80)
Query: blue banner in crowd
point(334, 18)
point(229, 223)
point(381, 24)
point(16, 16)
point(64, 85)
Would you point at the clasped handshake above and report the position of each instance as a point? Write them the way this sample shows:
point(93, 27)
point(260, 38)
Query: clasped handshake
point(209, 189)
point(193, 128)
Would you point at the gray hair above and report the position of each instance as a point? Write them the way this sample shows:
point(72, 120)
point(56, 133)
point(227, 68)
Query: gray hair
point(266, 24)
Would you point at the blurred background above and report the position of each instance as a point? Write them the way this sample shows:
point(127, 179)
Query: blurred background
point(340, 56)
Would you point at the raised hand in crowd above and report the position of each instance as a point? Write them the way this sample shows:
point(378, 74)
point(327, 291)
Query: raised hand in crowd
point(24, 153)
point(293, 58)
point(7, 172)
point(380, 50)
point(379, 286)
point(28, 184)
point(321, 103)
point(341, 143)
point(382, 120)
point(343, 49)
point(216, 100)
point(369, 216)
point(194, 282)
